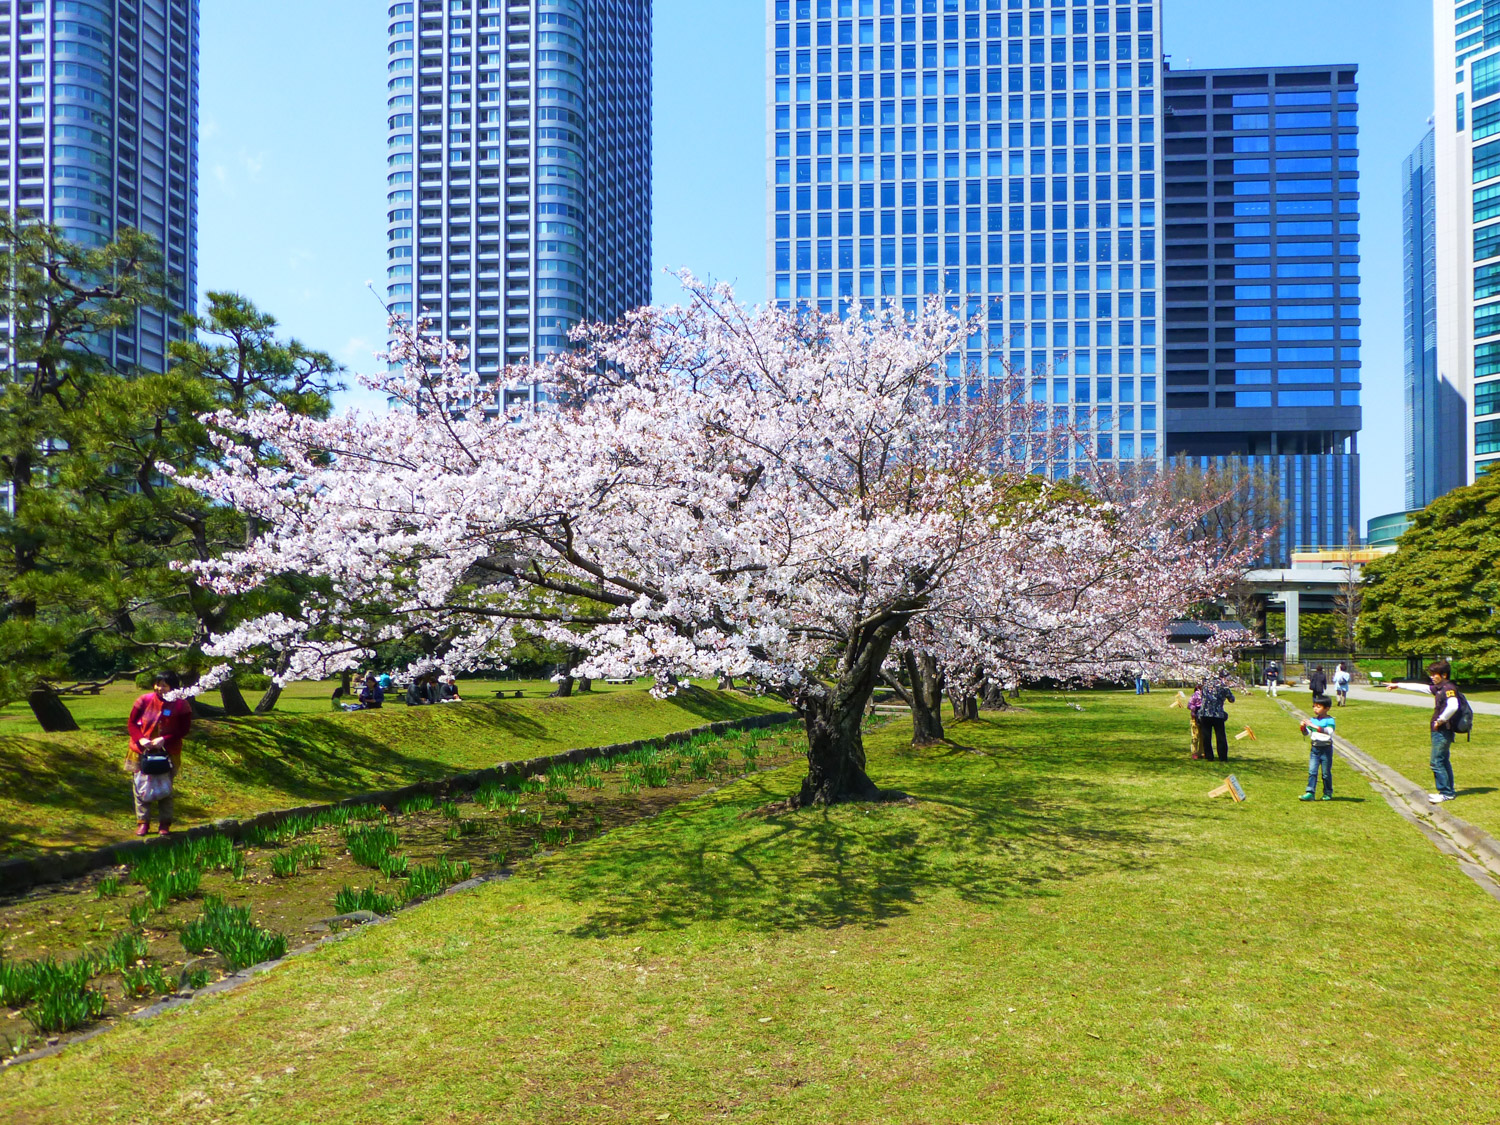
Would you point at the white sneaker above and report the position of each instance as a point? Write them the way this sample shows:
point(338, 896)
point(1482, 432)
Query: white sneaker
point(1437, 798)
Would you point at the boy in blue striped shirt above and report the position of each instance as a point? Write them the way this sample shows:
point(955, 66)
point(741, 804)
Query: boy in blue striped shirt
point(1319, 730)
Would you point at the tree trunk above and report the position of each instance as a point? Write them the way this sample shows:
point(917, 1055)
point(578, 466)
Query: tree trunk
point(726, 683)
point(50, 711)
point(965, 706)
point(234, 699)
point(834, 715)
point(993, 698)
point(564, 687)
point(267, 702)
point(926, 699)
point(585, 683)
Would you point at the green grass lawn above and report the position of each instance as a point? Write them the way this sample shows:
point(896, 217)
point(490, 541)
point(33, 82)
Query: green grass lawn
point(1061, 929)
point(1399, 736)
point(69, 790)
point(108, 710)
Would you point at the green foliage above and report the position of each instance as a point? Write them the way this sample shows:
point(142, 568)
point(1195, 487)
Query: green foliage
point(229, 932)
point(288, 863)
point(87, 555)
point(434, 878)
point(108, 887)
point(348, 900)
point(147, 980)
point(126, 949)
point(1439, 594)
point(369, 845)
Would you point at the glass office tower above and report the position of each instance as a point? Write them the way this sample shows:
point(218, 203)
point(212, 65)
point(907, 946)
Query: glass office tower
point(99, 117)
point(1262, 287)
point(1466, 158)
point(519, 169)
point(1436, 413)
point(1001, 152)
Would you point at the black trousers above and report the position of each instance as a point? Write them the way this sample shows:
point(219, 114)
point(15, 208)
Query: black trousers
point(1208, 731)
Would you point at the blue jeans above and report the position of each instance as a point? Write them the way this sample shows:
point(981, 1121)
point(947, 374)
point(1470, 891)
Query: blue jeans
point(1320, 758)
point(1141, 686)
point(1442, 766)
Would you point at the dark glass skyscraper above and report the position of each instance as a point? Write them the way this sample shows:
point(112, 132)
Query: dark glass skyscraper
point(99, 109)
point(1436, 414)
point(519, 169)
point(1262, 286)
point(1001, 152)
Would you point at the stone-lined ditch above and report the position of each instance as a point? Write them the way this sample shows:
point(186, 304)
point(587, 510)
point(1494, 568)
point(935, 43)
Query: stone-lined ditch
point(173, 920)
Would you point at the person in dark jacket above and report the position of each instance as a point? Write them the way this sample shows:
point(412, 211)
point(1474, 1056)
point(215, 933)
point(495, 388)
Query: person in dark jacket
point(371, 696)
point(1318, 681)
point(1213, 716)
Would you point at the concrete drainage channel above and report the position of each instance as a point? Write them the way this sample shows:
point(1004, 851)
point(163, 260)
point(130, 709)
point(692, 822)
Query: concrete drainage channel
point(25, 873)
point(1475, 850)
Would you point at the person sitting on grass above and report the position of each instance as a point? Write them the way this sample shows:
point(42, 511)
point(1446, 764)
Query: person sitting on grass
point(1319, 729)
point(157, 726)
point(448, 690)
point(371, 695)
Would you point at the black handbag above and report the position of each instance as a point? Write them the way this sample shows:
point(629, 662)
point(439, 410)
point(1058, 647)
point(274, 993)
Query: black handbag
point(154, 763)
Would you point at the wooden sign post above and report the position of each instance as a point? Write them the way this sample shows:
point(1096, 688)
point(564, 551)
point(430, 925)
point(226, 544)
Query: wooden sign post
point(1231, 788)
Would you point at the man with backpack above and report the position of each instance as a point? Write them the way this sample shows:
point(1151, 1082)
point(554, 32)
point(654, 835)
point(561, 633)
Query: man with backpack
point(1451, 715)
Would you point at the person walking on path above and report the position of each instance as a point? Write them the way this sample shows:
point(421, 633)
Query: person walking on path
point(157, 726)
point(1213, 716)
point(1447, 701)
point(1319, 730)
point(1273, 678)
point(1318, 681)
point(1342, 678)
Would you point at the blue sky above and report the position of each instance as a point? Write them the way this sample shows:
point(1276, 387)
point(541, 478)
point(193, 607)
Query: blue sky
point(293, 157)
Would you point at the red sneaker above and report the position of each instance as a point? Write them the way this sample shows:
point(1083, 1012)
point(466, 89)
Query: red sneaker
point(165, 829)
point(142, 827)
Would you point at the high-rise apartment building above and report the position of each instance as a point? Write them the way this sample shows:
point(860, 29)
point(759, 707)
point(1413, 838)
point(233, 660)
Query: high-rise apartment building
point(1262, 287)
point(519, 169)
point(1436, 413)
point(1466, 153)
point(99, 109)
point(1003, 152)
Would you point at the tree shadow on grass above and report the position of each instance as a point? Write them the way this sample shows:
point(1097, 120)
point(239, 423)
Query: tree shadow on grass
point(861, 864)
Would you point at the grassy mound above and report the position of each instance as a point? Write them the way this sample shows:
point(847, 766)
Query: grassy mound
point(1062, 929)
point(69, 790)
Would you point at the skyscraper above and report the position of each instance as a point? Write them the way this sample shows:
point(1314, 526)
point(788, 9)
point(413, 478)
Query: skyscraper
point(998, 151)
point(1262, 293)
point(519, 169)
point(1436, 414)
point(1466, 159)
point(100, 110)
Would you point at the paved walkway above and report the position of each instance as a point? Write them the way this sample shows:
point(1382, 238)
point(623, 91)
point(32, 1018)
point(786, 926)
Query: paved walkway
point(1405, 698)
point(1412, 699)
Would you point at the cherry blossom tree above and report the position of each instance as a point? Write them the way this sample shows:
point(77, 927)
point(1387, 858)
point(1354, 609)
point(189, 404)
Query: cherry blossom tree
point(708, 491)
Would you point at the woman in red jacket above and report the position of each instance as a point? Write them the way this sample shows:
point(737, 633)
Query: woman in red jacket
point(157, 726)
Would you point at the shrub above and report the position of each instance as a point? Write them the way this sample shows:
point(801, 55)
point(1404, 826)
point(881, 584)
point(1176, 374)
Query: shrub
point(230, 932)
point(348, 900)
point(147, 980)
point(369, 845)
point(124, 951)
point(60, 1011)
point(435, 878)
